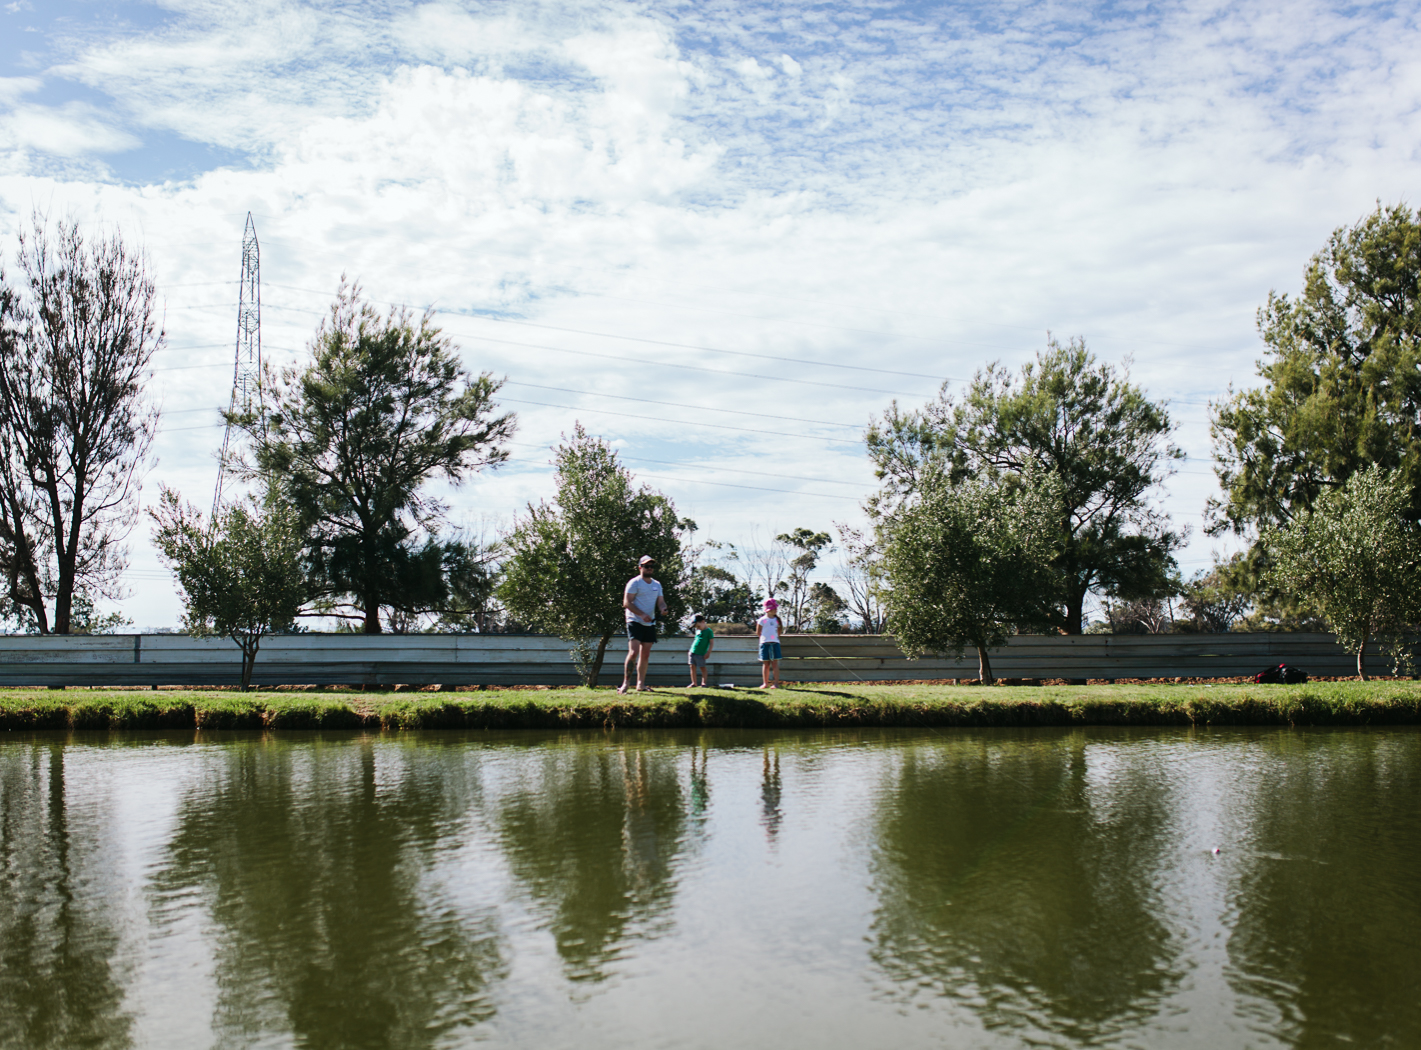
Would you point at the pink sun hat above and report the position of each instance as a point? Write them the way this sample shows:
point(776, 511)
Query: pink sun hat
point(770, 603)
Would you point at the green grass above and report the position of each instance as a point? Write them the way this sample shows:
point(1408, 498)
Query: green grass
point(1320, 703)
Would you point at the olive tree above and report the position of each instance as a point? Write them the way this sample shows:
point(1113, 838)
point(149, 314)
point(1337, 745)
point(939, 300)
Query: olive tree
point(1356, 557)
point(240, 575)
point(569, 559)
point(969, 564)
point(77, 335)
point(353, 439)
point(1067, 415)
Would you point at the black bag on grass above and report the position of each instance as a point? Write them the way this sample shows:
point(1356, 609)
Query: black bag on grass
point(1281, 675)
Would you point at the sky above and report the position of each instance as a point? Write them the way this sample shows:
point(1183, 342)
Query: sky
point(720, 235)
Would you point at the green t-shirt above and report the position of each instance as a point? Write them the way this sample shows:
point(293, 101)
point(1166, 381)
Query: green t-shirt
point(700, 645)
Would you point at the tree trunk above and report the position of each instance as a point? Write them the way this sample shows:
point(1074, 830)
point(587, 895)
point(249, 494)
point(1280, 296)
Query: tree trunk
point(249, 659)
point(984, 665)
point(597, 660)
point(372, 616)
point(1075, 611)
point(1362, 660)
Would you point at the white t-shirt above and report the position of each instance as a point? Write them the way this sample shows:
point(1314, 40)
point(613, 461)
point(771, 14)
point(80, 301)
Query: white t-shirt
point(769, 629)
point(644, 594)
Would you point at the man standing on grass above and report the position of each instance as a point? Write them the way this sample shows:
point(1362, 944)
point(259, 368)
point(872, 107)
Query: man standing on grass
point(642, 599)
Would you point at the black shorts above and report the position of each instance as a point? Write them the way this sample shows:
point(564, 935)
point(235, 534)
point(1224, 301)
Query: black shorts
point(642, 632)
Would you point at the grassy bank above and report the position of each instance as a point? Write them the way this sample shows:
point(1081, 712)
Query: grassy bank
point(1315, 704)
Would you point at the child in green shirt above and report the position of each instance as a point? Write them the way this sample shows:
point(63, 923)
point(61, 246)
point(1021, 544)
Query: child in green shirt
point(702, 642)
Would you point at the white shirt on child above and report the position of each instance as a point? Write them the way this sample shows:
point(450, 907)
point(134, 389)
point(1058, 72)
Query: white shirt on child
point(769, 628)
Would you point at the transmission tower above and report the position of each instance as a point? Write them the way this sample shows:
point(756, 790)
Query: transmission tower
point(246, 370)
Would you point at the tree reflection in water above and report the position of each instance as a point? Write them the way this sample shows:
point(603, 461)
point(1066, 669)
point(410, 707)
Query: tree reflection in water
point(593, 837)
point(331, 925)
point(58, 981)
point(1011, 881)
point(1328, 916)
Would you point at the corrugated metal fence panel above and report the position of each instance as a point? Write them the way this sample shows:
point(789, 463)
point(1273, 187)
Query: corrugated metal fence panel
point(344, 659)
point(846, 658)
point(428, 659)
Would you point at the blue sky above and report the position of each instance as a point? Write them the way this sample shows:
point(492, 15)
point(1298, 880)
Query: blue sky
point(913, 188)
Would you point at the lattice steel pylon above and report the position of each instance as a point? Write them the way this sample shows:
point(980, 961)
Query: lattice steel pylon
point(246, 371)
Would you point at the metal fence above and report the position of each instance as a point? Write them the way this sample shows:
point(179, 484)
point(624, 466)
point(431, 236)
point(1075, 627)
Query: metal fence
point(453, 660)
point(848, 658)
point(341, 659)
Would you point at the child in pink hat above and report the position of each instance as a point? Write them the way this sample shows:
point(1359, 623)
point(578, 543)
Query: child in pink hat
point(767, 629)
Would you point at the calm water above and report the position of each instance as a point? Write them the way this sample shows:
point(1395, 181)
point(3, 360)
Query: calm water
point(719, 889)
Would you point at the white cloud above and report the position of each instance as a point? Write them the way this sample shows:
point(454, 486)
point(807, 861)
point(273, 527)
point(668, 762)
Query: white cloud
point(1141, 180)
point(74, 129)
point(12, 89)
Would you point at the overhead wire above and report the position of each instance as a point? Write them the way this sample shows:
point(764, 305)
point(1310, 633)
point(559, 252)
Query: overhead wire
point(635, 339)
point(633, 458)
point(681, 404)
point(678, 422)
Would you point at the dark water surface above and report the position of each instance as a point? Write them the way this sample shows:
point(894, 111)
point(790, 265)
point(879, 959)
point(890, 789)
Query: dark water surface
point(712, 889)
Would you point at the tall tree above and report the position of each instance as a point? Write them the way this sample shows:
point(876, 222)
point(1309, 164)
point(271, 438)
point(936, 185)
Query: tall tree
point(354, 438)
point(1356, 558)
point(1341, 380)
point(971, 563)
point(240, 575)
point(859, 570)
point(570, 558)
point(1066, 415)
point(714, 590)
point(76, 338)
point(795, 588)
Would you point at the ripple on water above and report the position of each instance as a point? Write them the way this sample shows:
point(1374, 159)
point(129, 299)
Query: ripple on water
point(699, 889)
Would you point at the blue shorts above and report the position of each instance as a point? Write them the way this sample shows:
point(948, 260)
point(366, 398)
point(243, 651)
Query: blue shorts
point(696, 660)
point(769, 651)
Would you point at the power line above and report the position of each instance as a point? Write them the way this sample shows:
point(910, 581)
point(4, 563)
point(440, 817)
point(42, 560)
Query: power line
point(683, 463)
point(640, 339)
point(678, 422)
point(693, 346)
point(623, 359)
point(679, 404)
point(757, 488)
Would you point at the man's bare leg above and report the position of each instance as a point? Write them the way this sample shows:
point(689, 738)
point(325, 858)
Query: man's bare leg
point(641, 663)
point(634, 647)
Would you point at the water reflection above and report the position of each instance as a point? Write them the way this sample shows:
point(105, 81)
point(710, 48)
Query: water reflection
point(1328, 915)
point(968, 889)
point(317, 867)
point(771, 791)
point(592, 835)
point(1012, 881)
point(60, 984)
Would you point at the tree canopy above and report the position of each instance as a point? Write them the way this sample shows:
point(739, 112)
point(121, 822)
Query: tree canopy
point(1356, 557)
point(1066, 415)
point(969, 564)
point(796, 590)
point(570, 558)
point(354, 438)
point(1341, 378)
point(241, 576)
point(76, 339)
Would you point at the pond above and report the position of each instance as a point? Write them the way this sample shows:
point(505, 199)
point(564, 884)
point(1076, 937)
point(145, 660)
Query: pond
point(712, 889)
